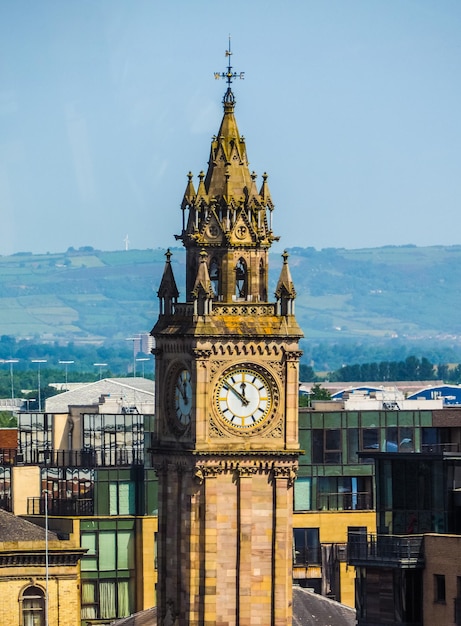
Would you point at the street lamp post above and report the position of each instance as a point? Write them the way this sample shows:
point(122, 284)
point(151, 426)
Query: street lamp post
point(39, 362)
point(47, 568)
point(134, 340)
point(11, 362)
point(66, 363)
point(142, 360)
point(100, 365)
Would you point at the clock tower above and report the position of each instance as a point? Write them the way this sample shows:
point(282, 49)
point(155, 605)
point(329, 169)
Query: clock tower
point(226, 440)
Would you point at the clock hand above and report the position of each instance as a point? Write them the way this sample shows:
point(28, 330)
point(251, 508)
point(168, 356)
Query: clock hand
point(184, 394)
point(182, 390)
point(240, 396)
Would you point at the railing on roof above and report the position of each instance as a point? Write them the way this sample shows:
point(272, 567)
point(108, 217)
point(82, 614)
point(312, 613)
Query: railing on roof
point(104, 457)
point(405, 551)
point(345, 501)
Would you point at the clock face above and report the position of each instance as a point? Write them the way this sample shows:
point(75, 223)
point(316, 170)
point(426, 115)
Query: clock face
point(244, 397)
point(183, 397)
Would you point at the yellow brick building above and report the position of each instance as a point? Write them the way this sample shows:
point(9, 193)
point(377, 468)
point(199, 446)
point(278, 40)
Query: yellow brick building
point(38, 578)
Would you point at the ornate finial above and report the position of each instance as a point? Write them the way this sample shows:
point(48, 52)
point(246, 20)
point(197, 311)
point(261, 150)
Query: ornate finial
point(168, 255)
point(190, 176)
point(230, 76)
point(285, 256)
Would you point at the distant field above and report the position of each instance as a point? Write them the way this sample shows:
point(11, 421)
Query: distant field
point(402, 292)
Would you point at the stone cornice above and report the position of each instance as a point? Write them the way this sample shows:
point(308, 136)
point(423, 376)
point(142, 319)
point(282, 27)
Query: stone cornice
point(14, 558)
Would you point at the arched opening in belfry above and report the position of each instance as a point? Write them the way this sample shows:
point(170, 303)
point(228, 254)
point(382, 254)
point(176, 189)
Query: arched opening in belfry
point(214, 276)
point(262, 282)
point(241, 279)
point(191, 274)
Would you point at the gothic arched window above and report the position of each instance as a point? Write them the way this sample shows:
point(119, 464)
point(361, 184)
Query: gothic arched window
point(262, 282)
point(214, 276)
point(33, 606)
point(241, 279)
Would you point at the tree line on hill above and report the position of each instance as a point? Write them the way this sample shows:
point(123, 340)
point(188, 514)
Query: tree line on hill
point(87, 363)
point(412, 368)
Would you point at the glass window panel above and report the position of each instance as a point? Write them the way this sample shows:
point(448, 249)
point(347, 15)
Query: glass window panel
point(125, 553)
point(406, 439)
point(123, 599)
point(370, 419)
point(327, 498)
point(107, 592)
point(306, 545)
point(333, 457)
point(352, 445)
point(107, 551)
point(33, 606)
point(303, 494)
point(429, 439)
point(89, 562)
point(113, 499)
point(406, 418)
point(317, 445)
point(89, 608)
point(126, 493)
point(370, 439)
point(392, 444)
point(333, 439)
point(89, 542)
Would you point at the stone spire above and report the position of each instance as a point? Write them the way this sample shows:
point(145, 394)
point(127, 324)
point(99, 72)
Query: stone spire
point(227, 216)
point(167, 292)
point(285, 291)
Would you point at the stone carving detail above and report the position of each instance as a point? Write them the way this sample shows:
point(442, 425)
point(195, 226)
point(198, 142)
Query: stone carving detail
point(278, 368)
point(214, 466)
point(174, 463)
point(245, 471)
point(215, 366)
point(286, 471)
point(277, 431)
point(251, 348)
point(215, 431)
point(293, 355)
point(201, 354)
point(244, 309)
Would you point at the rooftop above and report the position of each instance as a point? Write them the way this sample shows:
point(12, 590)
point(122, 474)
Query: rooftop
point(13, 528)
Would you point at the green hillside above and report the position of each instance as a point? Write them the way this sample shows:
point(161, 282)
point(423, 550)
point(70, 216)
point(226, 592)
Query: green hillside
point(404, 293)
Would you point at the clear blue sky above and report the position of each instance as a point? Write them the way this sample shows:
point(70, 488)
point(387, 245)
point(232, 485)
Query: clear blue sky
point(353, 107)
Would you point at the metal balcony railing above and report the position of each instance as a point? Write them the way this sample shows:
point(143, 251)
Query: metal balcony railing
point(104, 457)
point(345, 501)
point(404, 551)
point(61, 506)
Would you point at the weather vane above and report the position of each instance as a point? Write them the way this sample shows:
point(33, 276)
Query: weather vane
point(229, 75)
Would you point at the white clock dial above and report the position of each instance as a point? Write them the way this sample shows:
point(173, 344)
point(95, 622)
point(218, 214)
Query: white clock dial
point(183, 397)
point(244, 397)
